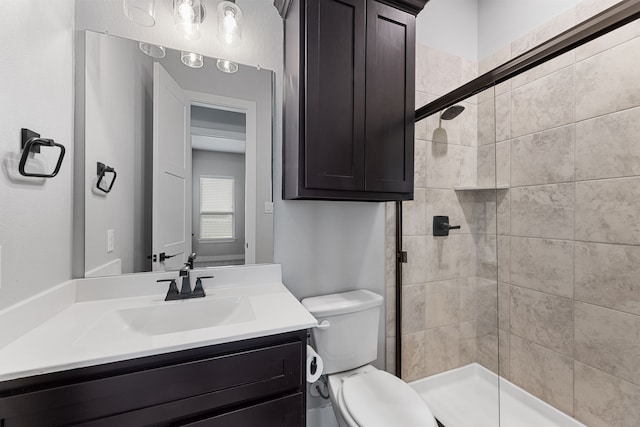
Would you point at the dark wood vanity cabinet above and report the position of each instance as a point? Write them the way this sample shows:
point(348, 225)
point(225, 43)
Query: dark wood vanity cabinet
point(253, 382)
point(349, 99)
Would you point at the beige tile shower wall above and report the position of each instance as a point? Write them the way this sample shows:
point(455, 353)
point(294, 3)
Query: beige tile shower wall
point(568, 231)
point(439, 286)
point(561, 320)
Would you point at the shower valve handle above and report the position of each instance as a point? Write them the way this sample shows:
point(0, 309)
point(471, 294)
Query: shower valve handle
point(441, 226)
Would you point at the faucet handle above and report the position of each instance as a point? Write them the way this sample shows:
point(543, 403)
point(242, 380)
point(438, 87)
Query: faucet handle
point(172, 293)
point(190, 260)
point(198, 291)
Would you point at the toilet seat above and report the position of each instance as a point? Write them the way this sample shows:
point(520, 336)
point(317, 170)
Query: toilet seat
point(379, 399)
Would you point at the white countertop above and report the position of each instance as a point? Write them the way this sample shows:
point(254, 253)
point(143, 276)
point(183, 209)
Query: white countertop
point(89, 332)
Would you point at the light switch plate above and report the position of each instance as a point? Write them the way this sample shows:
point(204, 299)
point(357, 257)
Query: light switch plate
point(268, 207)
point(110, 242)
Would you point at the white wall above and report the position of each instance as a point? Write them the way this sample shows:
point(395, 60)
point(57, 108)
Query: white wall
point(502, 21)
point(118, 102)
point(450, 26)
point(36, 87)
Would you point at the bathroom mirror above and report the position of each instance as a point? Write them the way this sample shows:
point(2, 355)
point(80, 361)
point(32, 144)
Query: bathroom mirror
point(185, 152)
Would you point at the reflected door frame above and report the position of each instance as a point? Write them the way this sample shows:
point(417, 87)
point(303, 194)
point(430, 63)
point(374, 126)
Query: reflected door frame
point(248, 108)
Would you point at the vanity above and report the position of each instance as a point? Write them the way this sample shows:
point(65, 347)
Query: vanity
point(103, 361)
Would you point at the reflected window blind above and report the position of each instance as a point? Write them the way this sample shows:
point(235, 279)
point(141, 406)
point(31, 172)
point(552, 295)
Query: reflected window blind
point(217, 208)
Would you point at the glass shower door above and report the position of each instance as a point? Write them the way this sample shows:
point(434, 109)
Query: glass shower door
point(450, 339)
point(569, 259)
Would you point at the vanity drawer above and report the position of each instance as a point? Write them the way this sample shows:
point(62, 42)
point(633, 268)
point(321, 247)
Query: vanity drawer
point(287, 411)
point(284, 412)
point(226, 380)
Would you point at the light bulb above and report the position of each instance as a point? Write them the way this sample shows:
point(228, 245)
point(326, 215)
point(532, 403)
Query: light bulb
point(190, 59)
point(229, 23)
point(154, 51)
point(185, 11)
point(187, 18)
point(226, 66)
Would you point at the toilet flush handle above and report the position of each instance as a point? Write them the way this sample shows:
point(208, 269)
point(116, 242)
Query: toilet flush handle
point(323, 325)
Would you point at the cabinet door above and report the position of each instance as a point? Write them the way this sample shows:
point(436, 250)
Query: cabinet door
point(335, 91)
point(390, 99)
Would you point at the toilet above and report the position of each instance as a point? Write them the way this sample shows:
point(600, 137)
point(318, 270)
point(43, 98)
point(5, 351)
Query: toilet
point(346, 339)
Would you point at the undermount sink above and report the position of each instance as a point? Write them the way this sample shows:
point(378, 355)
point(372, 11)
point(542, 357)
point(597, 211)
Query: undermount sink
point(180, 316)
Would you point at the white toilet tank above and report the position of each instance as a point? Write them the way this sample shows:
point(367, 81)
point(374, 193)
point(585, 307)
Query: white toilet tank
point(351, 340)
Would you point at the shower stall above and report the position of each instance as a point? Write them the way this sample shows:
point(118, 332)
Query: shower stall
point(528, 314)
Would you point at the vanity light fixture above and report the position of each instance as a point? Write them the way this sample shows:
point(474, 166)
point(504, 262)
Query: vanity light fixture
point(188, 15)
point(229, 23)
point(153, 50)
point(226, 66)
point(190, 59)
point(142, 12)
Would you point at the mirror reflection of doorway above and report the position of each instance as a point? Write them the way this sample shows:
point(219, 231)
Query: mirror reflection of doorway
point(218, 143)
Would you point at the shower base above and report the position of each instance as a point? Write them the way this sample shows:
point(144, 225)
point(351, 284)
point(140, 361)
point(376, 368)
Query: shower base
point(468, 397)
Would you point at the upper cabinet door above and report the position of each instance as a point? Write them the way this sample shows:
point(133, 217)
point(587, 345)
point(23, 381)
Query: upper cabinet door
point(335, 106)
point(390, 99)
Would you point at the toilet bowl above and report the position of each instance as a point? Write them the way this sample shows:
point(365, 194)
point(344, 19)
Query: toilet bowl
point(361, 395)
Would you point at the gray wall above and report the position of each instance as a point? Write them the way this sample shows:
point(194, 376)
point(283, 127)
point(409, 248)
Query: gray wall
point(252, 85)
point(36, 63)
point(118, 103)
point(450, 26)
point(502, 21)
point(474, 29)
point(212, 163)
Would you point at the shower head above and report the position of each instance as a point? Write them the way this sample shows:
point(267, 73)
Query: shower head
point(451, 112)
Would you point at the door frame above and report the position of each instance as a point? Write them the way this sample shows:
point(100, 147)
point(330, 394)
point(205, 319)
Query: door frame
point(248, 108)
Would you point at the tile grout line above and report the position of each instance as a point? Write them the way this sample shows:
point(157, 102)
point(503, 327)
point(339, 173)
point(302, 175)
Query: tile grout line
point(575, 185)
point(572, 181)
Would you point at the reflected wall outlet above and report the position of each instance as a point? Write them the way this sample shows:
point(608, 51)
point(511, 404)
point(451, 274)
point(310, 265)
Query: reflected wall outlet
point(110, 238)
point(268, 207)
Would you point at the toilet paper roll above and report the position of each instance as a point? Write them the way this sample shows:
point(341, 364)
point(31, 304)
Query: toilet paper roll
point(314, 365)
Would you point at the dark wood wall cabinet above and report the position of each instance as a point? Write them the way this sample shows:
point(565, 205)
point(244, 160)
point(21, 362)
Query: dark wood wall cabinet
point(349, 92)
point(257, 382)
